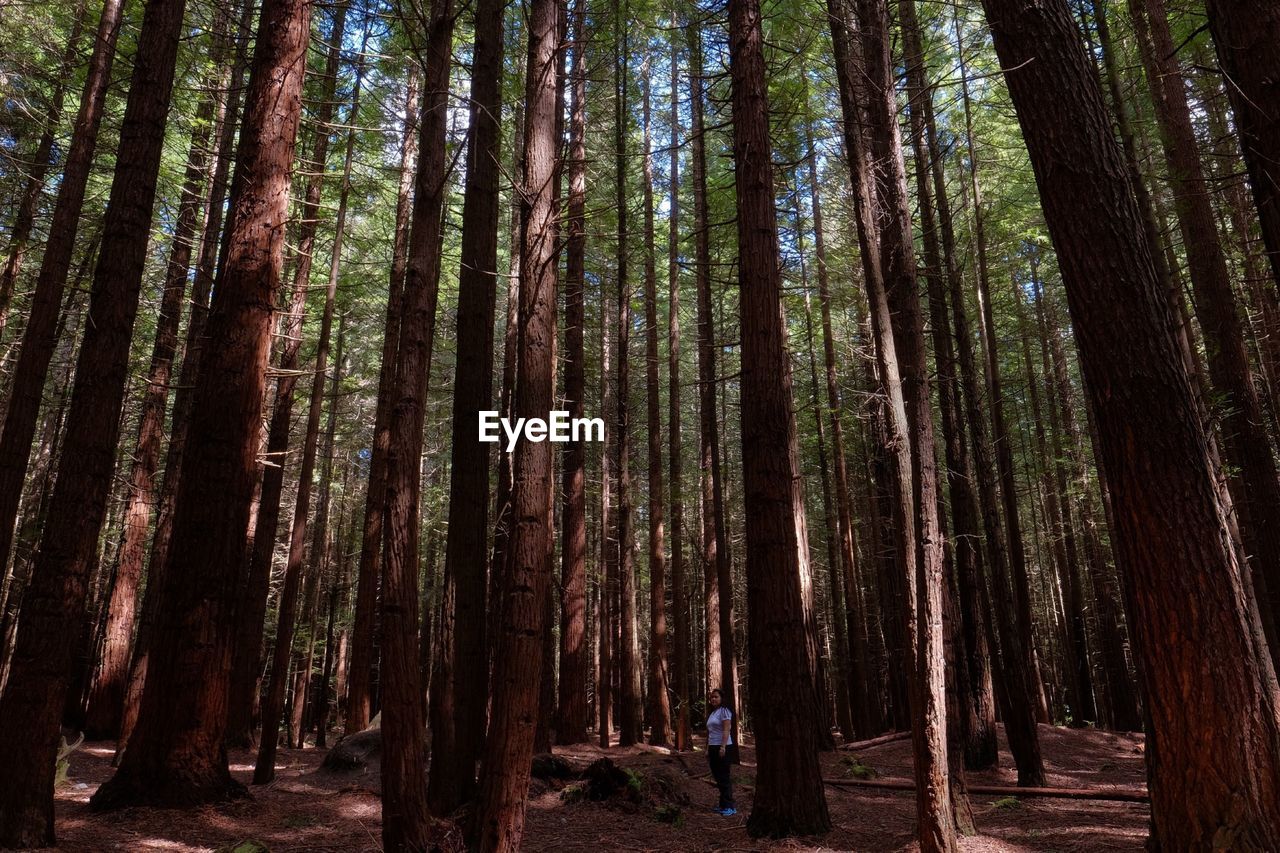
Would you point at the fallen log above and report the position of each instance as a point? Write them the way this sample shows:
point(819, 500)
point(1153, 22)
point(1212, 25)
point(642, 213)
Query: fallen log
point(1108, 794)
point(876, 741)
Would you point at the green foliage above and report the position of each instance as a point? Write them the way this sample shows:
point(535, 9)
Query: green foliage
point(246, 846)
point(1008, 803)
point(573, 794)
point(857, 768)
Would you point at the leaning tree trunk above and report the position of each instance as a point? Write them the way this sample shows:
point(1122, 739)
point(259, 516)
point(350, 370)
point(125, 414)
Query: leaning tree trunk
point(53, 605)
point(177, 755)
point(499, 816)
point(1213, 745)
point(789, 797)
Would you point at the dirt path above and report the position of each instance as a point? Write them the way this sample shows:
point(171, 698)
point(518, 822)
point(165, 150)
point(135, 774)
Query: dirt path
point(310, 810)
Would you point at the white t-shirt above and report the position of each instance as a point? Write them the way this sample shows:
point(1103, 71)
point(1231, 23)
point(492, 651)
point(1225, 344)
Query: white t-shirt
point(716, 735)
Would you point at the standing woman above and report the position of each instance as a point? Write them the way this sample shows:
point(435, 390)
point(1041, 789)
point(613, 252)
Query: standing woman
point(719, 739)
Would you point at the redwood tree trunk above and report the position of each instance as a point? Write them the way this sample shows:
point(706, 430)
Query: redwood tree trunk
point(177, 755)
point(406, 823)
point(571, 725)
point(360, 700)
point(53, 605)
point(1214, 753)
point(459, 688)
point(499, 817)
point(789, 797)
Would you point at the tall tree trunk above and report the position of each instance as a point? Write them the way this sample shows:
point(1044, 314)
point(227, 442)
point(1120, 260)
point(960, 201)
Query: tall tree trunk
point(659, 704)
point(894, 296)
point(630, 717)
point(721, 658)
point(1015, 551)
point(675, 450)
point(227, 116)
point(177, 755)
point(457, 718)
point(264, 771)
point(571, 725)
point(246, 661)
point(976, 713)
point(1155, 456)
point(53, 605)
point(406, 821)
point(106, 698)
point(25, 217)
point(38, 340)
point(359, 694)
point(499, 817)
point(789, 797)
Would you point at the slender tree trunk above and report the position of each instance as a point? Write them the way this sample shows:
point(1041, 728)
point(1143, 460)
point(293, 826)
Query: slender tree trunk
point(457, 718)
point(679, 601)
point(406, 821)
point(1155, 456)
point(659, 704)
point(330, 549)
point(53, 605)
point(789, 797)
point(976, 712)
point(571, 725)
point(38, 337)
point(903, 347)
point(246, 662)
point(499, 819)
point(360, 699)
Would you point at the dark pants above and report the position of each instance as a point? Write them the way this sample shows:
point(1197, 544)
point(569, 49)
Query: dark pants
point(720, 772)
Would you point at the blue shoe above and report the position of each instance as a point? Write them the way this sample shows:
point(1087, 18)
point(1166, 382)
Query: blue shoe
point(729, 812)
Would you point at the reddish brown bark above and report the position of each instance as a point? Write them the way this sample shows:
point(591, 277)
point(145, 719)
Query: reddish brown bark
point(789, 797)
point(52, 607)
point(573, 718)
point(675, 450)
point(176, 755)
point(38, 337)
point(1211, 726)
point(406, 823)
point(499, 821)
point(360, 700)
point(459, 687)
point(246, 661)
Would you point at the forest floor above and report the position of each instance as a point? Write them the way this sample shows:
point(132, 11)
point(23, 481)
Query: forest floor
point(315, 810)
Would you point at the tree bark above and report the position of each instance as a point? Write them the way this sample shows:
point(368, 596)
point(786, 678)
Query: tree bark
point(360, 699)
point(53, 605)
point(1155, 457)
point(457, 718)
point(246, 661)
point(499, 820)
point(789, 797)
point(407, 823)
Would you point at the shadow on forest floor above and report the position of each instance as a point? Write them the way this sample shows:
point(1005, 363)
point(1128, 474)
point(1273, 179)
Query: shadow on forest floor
point(315, 811)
